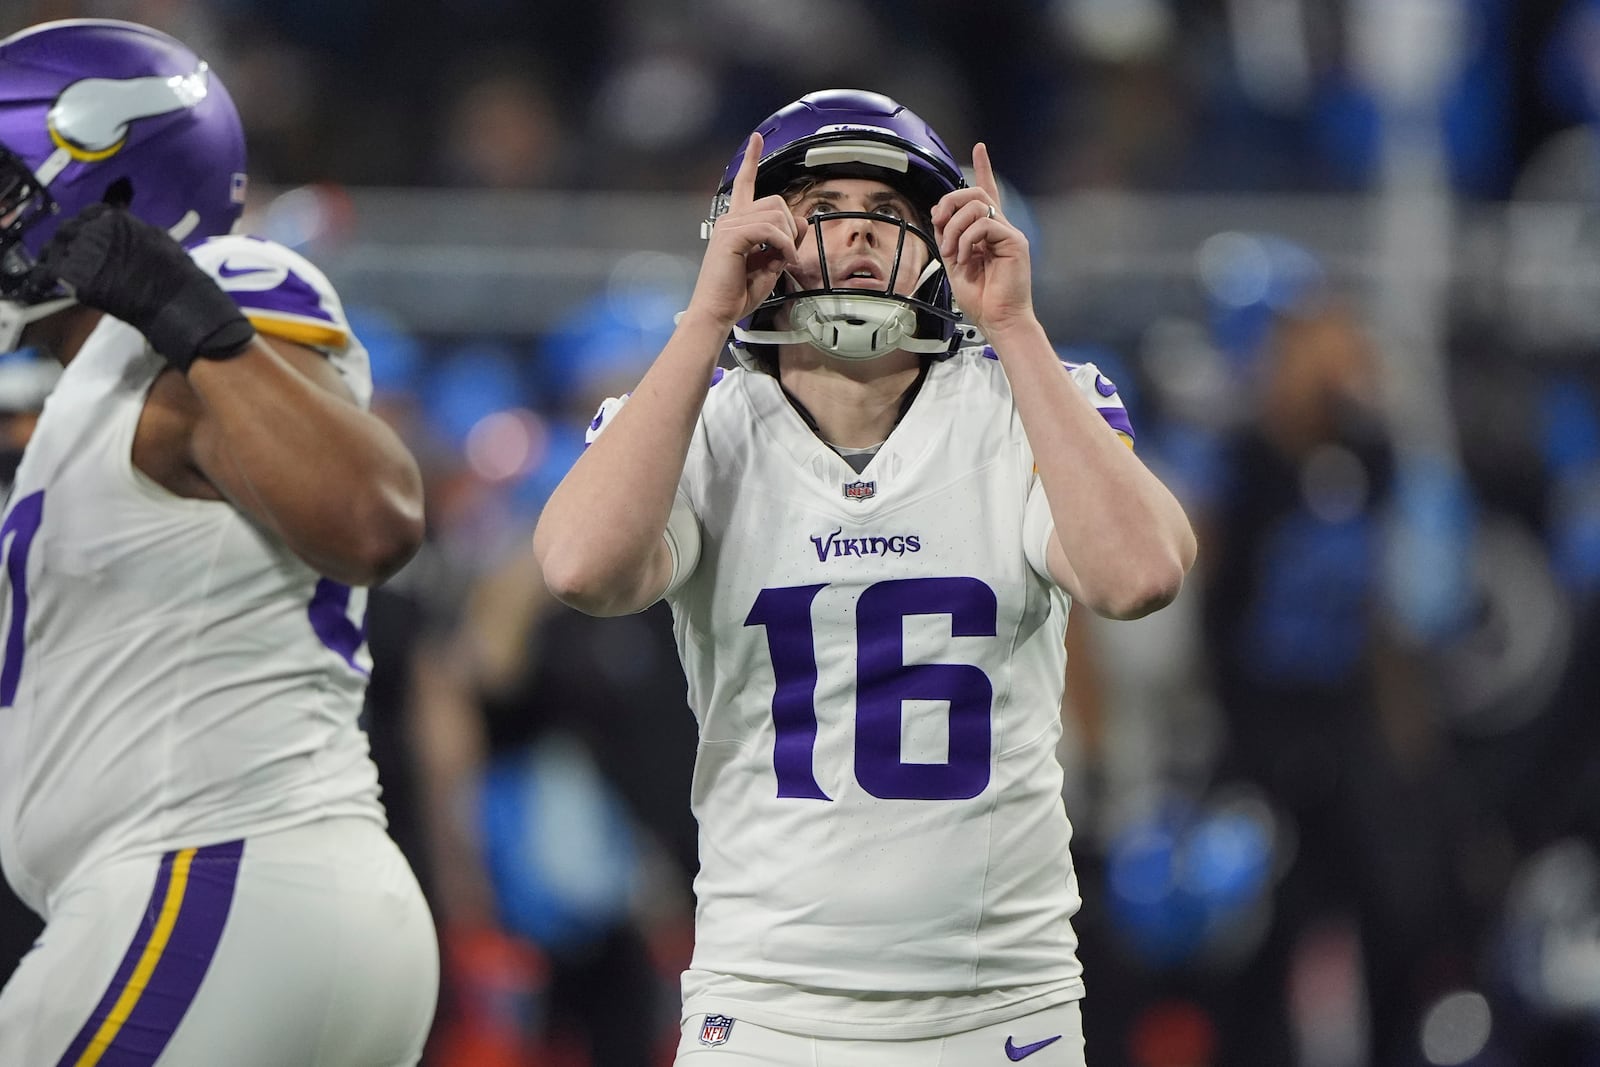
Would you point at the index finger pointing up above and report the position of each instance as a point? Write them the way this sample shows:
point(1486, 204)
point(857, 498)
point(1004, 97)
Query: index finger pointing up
point(983, 171)
point(744, 182)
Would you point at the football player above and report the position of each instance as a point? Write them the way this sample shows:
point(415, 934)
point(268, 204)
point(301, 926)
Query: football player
point(185, 795)
point(869, 533)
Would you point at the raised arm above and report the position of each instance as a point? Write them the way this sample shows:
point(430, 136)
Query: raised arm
point(599, 540)
point(1122, 543)
point(278, 434)
point(266, 424)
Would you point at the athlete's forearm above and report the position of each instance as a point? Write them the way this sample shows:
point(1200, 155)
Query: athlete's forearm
point(599, 539)
point(1123, 533)
point(332, 480)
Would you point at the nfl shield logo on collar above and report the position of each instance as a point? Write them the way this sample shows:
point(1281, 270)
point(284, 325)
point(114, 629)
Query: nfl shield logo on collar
point(860, 490)
point(715, 1030)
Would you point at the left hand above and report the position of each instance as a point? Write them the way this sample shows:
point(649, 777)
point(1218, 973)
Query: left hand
point(116, 262)
point(985, 256)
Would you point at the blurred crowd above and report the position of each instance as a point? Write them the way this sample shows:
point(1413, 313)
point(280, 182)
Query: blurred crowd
point(1337, 807)
point(1238, 95)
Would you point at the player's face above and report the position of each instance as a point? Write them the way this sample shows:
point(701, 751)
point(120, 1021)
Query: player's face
point(15, 183)
point(22, 202)
point(860, 252)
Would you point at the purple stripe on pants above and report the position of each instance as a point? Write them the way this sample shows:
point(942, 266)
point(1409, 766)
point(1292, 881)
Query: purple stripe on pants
point(155, 1016)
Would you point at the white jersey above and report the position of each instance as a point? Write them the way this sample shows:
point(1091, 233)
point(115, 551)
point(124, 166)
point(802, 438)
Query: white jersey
point(876, 661)
point(173, 676)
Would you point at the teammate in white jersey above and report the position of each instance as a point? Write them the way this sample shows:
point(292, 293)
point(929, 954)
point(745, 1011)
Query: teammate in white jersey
point(869, 537)
point(185, 794)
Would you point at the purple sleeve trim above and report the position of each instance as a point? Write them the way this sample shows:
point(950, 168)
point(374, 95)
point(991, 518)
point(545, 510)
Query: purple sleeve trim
point(1117, 419)
point(292, 296)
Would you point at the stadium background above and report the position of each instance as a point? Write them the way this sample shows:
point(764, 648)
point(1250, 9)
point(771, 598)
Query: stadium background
point(1341, 804)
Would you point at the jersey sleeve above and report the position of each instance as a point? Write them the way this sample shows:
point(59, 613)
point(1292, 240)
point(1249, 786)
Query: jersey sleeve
point(284, 296)
point(602, 418)
point(1037, 528)
point(1102, 393)
point(683, 541)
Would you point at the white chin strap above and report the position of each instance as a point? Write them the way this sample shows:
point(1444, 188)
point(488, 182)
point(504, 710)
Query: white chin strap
point(15, 317)
point(851, 326)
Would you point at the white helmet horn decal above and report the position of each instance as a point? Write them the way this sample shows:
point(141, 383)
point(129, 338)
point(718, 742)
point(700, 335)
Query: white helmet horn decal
point(90, 118)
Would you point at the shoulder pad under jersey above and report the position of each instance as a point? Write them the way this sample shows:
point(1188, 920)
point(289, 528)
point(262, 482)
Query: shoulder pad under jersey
point(280, 291)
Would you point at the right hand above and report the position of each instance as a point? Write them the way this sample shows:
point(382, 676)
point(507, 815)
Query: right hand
point(751, 245)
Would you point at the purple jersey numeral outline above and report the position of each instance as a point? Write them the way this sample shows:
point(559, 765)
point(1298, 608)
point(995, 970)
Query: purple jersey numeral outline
point(884, 682)
point(16, 540)
point(329, 613)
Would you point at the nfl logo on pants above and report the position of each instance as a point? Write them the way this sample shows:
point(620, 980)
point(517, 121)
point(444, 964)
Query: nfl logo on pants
point(715, 1030)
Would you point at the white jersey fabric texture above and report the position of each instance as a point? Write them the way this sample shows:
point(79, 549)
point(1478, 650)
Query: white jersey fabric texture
point(172, 675)
point(185, 793)
point(876, 663)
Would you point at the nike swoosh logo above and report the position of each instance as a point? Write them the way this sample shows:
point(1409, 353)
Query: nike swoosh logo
point(228, 271)
point(1022, 1052)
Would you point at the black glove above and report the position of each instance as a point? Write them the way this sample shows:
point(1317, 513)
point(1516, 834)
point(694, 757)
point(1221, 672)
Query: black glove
point(128, 268)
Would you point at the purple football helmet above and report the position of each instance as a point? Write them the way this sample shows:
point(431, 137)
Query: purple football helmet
point(97, 110)
point(852, 133)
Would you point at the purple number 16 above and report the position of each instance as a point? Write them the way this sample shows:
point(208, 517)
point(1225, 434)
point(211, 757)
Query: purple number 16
point(884, 682)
